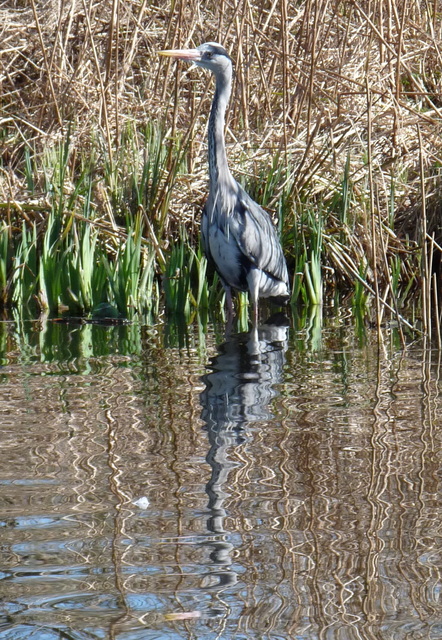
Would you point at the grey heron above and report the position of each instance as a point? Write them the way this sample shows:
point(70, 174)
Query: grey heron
point(238, 236)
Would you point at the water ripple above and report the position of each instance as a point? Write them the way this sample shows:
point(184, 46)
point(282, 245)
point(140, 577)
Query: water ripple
point(254, 486)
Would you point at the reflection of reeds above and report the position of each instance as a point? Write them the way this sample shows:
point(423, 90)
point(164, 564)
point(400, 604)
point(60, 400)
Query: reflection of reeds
point(332, 506)
point(95, 125)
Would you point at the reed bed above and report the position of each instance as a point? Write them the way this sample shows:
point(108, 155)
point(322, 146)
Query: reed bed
point(334, 126)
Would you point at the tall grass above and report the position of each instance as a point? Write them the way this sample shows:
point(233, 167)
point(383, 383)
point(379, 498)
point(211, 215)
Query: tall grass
point(334, 126)
point(5, 260)
point(69, 270)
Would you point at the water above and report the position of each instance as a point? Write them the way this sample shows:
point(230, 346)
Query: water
point(166, 484)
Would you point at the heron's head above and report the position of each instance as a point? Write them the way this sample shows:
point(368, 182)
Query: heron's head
point(209, 55)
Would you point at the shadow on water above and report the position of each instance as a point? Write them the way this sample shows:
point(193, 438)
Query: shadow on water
point(237, 392)
point(163, 482)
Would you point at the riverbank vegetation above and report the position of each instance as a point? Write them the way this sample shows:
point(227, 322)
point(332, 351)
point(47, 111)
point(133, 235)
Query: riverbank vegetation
point(334, 127)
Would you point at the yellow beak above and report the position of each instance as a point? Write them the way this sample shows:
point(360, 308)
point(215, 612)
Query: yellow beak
point(192, 55)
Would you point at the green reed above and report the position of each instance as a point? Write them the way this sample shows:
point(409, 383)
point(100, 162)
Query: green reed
point(68, 269)
point(5, 260)
point(185, 284)
point(131, 274)
point(108, 247)
point(360, 294)
point(144, 170)
point(23, 275)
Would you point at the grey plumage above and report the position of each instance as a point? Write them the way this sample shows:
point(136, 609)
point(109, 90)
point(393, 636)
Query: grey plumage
point(237, 235)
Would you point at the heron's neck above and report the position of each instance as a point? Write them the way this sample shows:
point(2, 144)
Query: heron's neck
point(218, 167)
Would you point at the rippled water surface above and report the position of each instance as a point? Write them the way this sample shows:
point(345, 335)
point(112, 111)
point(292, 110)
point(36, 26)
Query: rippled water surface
point(279, 484)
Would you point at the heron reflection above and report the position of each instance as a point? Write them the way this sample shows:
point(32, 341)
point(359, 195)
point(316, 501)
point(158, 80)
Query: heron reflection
point(238, 390)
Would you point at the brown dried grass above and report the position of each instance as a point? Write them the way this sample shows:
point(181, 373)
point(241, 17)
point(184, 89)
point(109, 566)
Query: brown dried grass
point(317, 81)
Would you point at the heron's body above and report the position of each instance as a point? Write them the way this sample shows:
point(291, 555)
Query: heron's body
point(238, 236)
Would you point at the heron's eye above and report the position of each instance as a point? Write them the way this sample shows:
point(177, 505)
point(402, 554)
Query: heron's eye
point(209, 55)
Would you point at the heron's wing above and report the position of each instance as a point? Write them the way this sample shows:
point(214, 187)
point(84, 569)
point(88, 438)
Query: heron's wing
point(257, 238)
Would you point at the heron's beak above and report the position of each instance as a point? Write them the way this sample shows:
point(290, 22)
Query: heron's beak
point(191, 55)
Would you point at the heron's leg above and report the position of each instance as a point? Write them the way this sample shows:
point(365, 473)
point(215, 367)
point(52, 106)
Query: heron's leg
point(229, 302)
point(255, 313)
point(253, 280)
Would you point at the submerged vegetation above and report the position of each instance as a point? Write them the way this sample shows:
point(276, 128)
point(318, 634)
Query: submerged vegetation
point(334, 127)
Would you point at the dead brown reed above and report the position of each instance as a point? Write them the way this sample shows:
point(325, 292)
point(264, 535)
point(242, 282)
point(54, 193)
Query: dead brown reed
point(303, 74)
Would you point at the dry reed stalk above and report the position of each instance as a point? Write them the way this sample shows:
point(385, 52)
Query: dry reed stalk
point(373, 213)
point(46, 64)
point(103, 94)
point(438, 313)
point(243, 76)
point(426, 282)
point(388, 280)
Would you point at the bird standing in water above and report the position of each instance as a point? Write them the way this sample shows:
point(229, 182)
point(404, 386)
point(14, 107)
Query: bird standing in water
point(237, 235)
